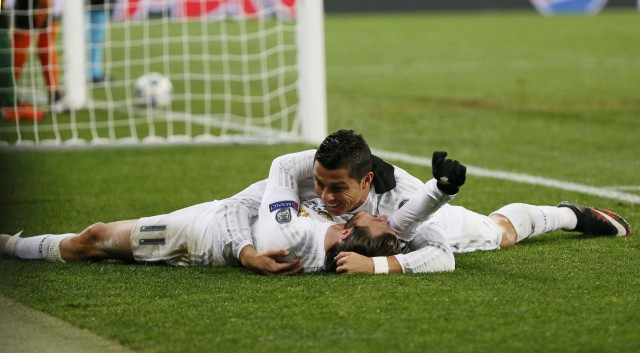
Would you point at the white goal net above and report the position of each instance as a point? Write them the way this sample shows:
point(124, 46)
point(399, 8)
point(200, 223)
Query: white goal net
point(241, 71)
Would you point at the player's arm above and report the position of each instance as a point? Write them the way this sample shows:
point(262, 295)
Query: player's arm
point(448, 176)
point(266, 262)
point(406, 187)
point(432, 252)
point(278, 209)
point(420, 207)
point(291, 167)
point(427, 259)
point(352, 263)
point(241, 209)
point(434, 256)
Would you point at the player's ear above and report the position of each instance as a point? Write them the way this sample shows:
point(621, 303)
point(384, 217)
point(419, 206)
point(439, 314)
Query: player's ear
point(344, 234)
point(368, 178)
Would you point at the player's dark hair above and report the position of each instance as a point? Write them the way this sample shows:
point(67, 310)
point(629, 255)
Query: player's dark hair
point(345, 149)
point(362, 242)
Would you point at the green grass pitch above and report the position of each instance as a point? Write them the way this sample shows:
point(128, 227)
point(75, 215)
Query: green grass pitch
point(551, 97)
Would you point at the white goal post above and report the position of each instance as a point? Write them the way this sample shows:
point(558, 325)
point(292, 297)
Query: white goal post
point(243, 71)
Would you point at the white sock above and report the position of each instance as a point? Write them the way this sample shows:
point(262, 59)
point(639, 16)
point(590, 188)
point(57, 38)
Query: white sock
point(45, 246)
point(529, 220)
point(8, 244)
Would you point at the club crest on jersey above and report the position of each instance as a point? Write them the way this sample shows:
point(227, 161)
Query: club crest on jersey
point(283, 216)
point(316, 206)
point(283, 204)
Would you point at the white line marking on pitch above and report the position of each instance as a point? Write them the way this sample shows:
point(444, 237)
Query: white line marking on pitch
point(475, 66)
point(521, 178)
point(625, 187)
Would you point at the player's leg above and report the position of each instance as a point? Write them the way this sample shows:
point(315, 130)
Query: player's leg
point(24, 21)
point(97, 242)
point(9, 110)
point(48, 55)
point(21, 41)
point(97, 33)
point(521, 221)
point(100, 241)
point(509, 234)
point(37, 247)
point(597, 221)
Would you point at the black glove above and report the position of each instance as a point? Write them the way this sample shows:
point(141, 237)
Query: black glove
point(449, 173)
point(383, 177)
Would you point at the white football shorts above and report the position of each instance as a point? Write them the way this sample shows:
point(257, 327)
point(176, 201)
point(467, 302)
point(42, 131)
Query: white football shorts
point(468, 231)
point(186, 237)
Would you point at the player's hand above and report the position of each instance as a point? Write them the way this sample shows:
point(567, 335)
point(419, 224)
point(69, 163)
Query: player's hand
point(384, 178)
point(351, 262)
point(449, 173)
point(265, 263)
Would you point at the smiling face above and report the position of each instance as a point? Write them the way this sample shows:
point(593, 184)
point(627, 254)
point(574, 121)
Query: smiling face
point(342, 171)
point(340, 192)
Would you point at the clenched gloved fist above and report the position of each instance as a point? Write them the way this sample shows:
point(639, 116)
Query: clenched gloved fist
point(383, 175)
point(449, 173)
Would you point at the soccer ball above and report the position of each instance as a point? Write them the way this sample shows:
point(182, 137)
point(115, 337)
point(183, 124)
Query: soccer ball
point(153, 89)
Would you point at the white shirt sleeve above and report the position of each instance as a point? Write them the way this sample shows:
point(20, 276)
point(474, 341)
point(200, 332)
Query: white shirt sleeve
point(291, 168)
point(241, 211)
point(417, 209)
point(242, 208)
point(279, 226)
point(431, 250)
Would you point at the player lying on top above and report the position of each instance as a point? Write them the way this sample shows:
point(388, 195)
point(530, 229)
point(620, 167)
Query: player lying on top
point(338, 180)
point(201, 235)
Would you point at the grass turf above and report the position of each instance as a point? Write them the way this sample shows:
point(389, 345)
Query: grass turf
point(512, 91)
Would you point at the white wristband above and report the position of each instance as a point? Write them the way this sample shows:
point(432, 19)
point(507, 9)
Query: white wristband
point(380, 264)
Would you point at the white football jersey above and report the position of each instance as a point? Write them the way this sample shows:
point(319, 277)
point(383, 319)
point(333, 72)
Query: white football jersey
point(284, 223)
point(297, 170)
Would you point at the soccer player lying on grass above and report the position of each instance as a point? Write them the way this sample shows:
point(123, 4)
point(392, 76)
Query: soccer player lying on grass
point(201, 235)
point(341, 173)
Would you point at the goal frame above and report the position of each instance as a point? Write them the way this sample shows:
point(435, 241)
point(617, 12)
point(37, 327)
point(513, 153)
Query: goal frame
point(311, 81)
